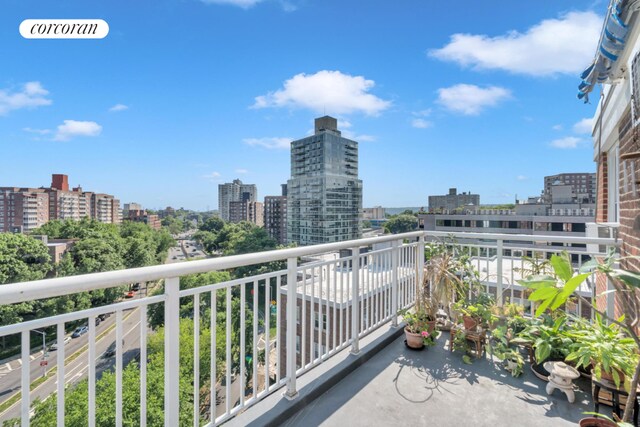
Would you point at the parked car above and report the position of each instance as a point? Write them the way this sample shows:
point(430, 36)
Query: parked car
point(54, 346)
point(111, 351)
point(135, 287)
point(130, 294)
point(80, 331)
point(103, 316)
point(98, 321)
point(175, 257)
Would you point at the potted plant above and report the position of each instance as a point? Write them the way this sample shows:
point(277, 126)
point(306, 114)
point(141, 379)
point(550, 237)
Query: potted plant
point(477, 314)
point(549, 341)
point(602, 346)
point(446, 277)
point(552, 291)
point(420, 321)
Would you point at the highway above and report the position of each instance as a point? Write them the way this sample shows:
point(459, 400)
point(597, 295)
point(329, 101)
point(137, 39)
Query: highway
point(76, 370)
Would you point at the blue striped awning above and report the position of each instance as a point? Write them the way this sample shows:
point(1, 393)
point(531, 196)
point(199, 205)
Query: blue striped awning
point(611, 44)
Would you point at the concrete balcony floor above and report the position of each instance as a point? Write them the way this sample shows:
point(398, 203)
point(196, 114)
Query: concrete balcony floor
point(433, 387)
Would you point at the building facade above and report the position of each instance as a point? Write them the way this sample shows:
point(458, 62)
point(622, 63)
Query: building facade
point(452, 201)
point(275, 218)
point(324, 192)
point(234, 191)
point(247, 211)
point(582, 186)
point(23, 209)
point(616, 137)
point(376, 212)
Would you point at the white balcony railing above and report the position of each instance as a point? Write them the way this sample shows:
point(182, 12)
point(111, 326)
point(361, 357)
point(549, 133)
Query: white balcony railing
point(321, 308)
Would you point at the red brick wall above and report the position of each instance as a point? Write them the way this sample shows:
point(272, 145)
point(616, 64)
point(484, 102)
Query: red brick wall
point(629, 203)
point(602, 195)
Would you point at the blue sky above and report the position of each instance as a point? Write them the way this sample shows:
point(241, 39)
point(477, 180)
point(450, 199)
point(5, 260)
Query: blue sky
point(185, 94)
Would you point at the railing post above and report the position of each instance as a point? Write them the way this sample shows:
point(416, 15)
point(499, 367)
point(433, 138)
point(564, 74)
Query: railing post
point(355, 300)
point(395, 252)
point(292, 303)
point(172, 352)
point(499, 247)
point(420, 264)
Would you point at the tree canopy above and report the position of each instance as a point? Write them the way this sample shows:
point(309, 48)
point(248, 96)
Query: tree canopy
point(401, 224)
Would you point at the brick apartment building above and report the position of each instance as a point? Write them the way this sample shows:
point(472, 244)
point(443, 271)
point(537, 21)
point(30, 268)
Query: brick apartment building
point(24, 209)
point(247, 211)
point(141, 215)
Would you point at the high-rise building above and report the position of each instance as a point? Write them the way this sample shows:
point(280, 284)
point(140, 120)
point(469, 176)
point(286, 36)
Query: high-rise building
point(583, 186)
point(23, 209)
point(453, 200)
point(234, 191)
point(275, 217)
point(324, 193)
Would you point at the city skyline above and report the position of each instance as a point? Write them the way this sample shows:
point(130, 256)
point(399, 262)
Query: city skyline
point(445, 100)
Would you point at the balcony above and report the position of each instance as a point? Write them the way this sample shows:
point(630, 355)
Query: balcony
point(329, 318)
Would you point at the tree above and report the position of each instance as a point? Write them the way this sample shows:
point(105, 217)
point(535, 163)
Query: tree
point(401, 224)
point(213, 224)
point(22, 258)
point(172, 224)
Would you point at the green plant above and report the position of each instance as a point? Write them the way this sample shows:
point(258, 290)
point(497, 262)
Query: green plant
point(499, 346)
point(517, 323)
point(416, 320)
point(480, 309)
point(460, 343)
point(602, 345)
point(553, 291)
point(547, 337)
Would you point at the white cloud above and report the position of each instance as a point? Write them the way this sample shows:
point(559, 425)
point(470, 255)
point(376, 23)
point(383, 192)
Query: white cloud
point(32, 95)
point(471, 99)
point(72, 128)
point(270, 143)
point(330, 91)
point(521, 178)
point(212, 176)
point(245, 4)
point(422, 113)
point(242, 171)
point(584, 126)
point(38, 131)
point(421, 123)
point(557, 127)
point(119, 107)
point(358, 137)
point(553, 46)
point(566, 143)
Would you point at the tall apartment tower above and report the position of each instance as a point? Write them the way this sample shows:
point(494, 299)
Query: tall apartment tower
point(275, 217)
point(324, 192)
point(583, 186)
point(234, 191)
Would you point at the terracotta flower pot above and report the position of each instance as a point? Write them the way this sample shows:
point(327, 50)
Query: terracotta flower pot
point(606, 376)
point(470, 323)
point(596, 422)
point(431, 326)
point(413, 340)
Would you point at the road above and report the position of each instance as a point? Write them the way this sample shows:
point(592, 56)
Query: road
point(77, 369)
